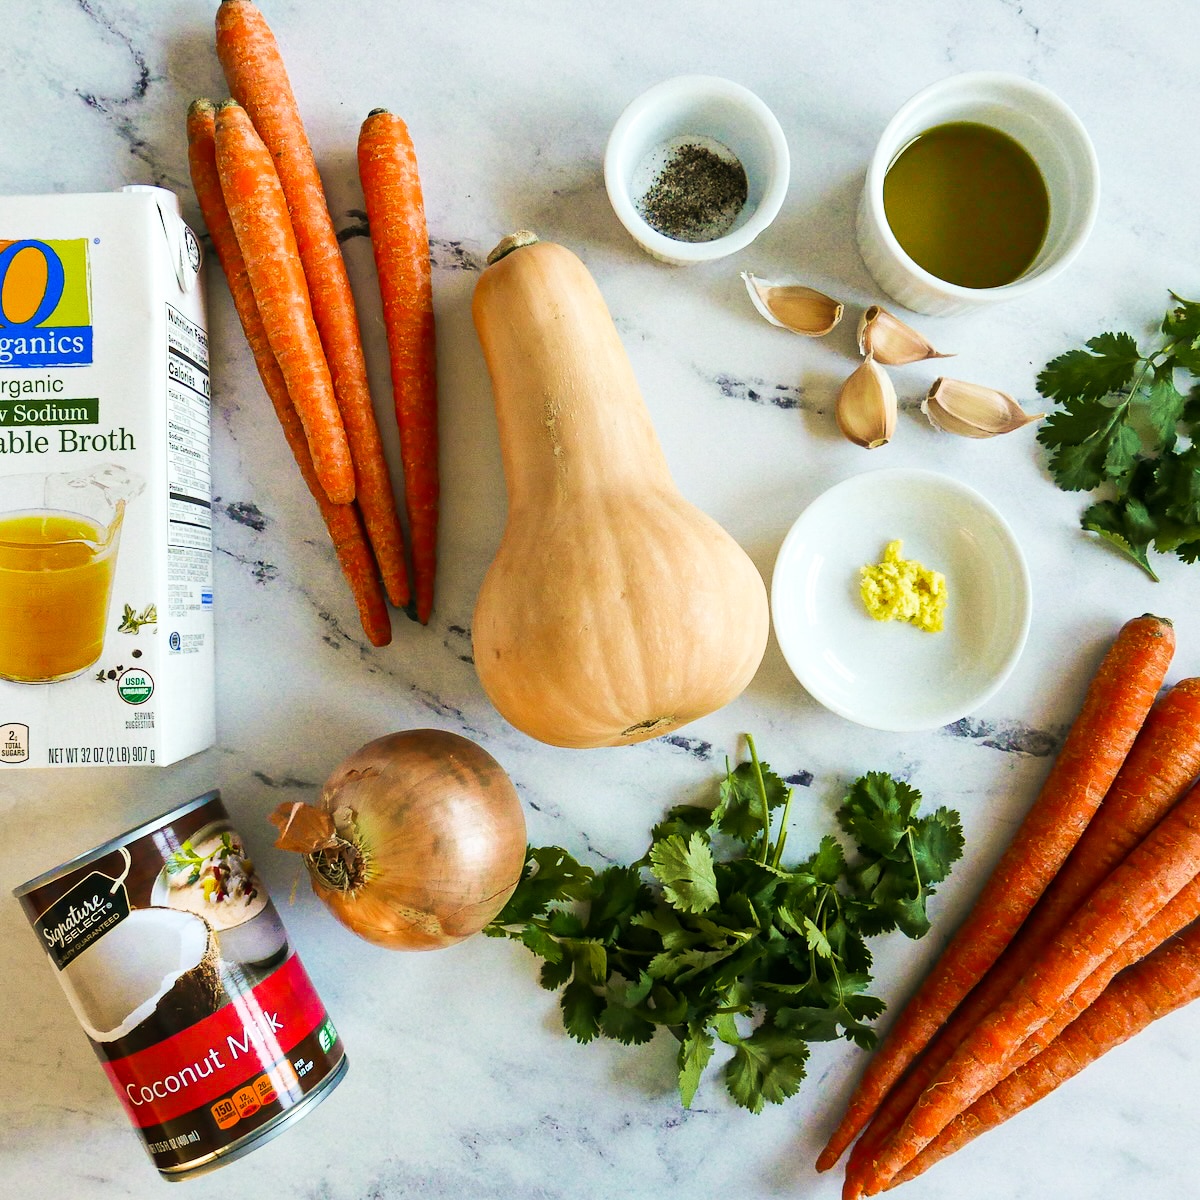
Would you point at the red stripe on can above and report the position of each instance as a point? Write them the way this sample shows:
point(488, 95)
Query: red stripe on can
point(250, 1035)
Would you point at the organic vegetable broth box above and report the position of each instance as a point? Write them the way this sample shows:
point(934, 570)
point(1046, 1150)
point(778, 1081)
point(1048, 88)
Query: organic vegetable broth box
point(106, 617)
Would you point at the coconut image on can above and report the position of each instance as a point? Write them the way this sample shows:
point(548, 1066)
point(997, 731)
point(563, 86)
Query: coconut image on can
point(155, 969)
point(180, 973)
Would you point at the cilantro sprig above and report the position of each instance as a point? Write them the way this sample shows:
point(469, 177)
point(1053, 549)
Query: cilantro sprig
point(1127, 426)
point(187, 858)
point(712, 937)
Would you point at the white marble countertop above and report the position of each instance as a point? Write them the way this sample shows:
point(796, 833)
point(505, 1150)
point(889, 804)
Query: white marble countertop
point(462, 1082)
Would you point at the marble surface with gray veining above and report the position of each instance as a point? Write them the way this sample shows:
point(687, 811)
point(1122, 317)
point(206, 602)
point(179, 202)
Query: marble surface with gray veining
point(462, 1084)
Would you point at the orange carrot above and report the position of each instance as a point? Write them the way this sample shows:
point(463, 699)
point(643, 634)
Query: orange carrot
point(387, 168)
point(1165, 758)
point(1117, 701)
point(258, 80)
point(1139, 889)
point(264, 232)
point(342, 520)
point(1159, 984)
point(1179, 912)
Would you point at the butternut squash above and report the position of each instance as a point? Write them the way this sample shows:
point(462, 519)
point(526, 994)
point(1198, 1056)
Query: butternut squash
point(614, 611)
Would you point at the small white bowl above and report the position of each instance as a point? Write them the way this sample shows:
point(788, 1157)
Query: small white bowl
point(701, 107)
point(1037, 119)
point(889, 674)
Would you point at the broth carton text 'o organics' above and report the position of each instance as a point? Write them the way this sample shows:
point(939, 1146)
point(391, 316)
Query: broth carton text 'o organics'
point(106, 608)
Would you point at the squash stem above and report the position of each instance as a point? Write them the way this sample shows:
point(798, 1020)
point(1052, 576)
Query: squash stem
point(514, 241)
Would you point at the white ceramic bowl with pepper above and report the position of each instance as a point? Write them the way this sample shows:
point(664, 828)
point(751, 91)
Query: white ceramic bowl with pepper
point(696, 168)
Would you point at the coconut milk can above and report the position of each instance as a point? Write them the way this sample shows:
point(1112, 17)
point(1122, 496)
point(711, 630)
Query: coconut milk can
point(180, 972)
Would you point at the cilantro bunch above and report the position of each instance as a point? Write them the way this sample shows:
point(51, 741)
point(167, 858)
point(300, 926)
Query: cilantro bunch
point(1126, 425)
point(711, 936)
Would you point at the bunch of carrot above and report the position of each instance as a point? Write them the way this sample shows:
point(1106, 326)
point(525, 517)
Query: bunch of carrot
point(1086, 931)
point(261, 198)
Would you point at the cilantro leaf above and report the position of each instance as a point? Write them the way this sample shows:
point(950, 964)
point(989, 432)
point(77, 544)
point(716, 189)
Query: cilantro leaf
point(1108, 368)
point(829, 863)
point(1126, 527)
point(683, 819)
point(1077, 435)
point(1162, 406)
point(551, 876)
point(581, 1007)
point(695, 1050)
point(724, 940)
point(937, 843)
point(1121, 454)
point(740, 810)
point(556, 971)
point(1178, 479)
point(877, 811)
point(533, 938)
point(620, 1018)
point(1125, 425)
point(615, 892)
point(1182, 323)
point(683, 963)
point(685, 869)
point(903, 856)
point(818, 943)
point(768, 1065)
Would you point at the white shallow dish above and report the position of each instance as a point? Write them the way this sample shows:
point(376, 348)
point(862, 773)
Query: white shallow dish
point(889, 674)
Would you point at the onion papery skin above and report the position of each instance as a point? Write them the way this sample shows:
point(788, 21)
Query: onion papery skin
point(441, 832)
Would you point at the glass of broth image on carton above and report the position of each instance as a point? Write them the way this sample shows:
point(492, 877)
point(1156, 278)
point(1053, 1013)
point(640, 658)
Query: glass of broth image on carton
point(59, 538)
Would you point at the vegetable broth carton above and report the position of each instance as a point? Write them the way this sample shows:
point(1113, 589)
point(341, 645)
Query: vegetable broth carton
point(106, 559)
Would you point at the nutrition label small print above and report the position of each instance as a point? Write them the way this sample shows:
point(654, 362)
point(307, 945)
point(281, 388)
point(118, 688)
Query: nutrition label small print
point(189, 478)
point(14, 742)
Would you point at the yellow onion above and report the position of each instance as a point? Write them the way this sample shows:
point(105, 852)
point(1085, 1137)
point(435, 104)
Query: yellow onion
point(416, 842)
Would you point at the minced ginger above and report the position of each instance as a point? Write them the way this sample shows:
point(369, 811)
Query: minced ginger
point(899, 589)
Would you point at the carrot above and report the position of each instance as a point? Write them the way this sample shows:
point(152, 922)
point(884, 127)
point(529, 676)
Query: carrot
point(264, 232)
point(1117, 701)
point(258, 80)
point(1159, 984)
point(1153, 873)
point(387, 168)
point(1179, 912)
point(1165, 758)
point(342, 520)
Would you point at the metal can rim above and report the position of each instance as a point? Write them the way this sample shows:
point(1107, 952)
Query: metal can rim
point(252, 1141)
point(114, 843)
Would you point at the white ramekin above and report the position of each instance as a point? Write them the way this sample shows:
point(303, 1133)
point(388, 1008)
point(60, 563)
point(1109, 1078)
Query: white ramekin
point(699, 106)
point(1027, 112)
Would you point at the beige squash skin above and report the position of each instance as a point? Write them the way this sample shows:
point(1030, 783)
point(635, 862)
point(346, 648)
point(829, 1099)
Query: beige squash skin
point(614, 611)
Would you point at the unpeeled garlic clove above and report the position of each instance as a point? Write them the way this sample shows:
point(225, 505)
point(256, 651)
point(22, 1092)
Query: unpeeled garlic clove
point(800, 309)
point(890, 341)
point(972, 410)
point(866, 406)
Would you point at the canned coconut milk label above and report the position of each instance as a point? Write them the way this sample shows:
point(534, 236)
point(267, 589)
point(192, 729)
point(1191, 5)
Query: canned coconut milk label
point(181, 974)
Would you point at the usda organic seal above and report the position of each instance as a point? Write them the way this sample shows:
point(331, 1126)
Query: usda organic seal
point(135, 686)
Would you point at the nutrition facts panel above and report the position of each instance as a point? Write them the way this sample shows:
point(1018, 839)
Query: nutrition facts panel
point(189, 481)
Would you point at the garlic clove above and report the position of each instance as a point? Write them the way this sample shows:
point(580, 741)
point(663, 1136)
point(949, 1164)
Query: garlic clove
point(890, 341)
point(866, 406)
point(800, 309)
point(972, 410)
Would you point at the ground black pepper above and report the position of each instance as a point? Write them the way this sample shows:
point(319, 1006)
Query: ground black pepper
point(696, 196)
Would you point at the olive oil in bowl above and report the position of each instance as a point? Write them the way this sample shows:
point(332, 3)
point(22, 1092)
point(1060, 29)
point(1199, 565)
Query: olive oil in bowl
point(968, 204)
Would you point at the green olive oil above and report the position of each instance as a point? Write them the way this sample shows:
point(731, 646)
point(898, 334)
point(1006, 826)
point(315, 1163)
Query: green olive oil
point(967, 203)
